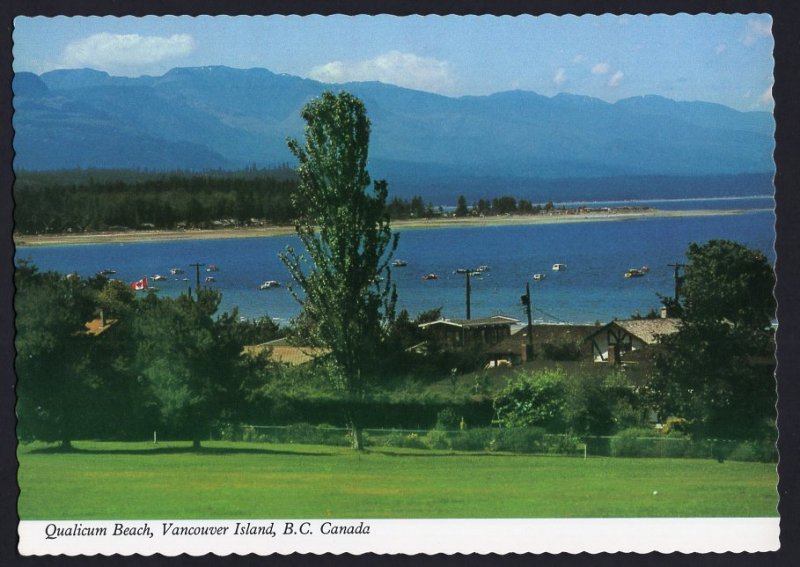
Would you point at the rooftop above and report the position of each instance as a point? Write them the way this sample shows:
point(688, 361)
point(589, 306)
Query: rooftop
point(648, 330)
point(494, 321)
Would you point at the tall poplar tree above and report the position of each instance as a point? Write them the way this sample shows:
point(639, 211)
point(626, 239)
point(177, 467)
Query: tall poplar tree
point(343, 276)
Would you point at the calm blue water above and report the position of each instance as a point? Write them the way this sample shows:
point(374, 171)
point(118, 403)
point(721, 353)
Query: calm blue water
point(592, 288)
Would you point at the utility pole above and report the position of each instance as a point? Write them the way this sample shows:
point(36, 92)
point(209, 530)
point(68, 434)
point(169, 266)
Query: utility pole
point(468, 296)
point(678, 280)
point(196, 266)
point(526, 301)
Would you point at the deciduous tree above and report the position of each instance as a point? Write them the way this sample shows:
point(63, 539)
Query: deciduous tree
point(55, 378)
point(343, 278)
point(717, 370)
point(191, 359)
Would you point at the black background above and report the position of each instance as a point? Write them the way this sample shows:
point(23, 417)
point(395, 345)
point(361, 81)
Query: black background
point(786, 21)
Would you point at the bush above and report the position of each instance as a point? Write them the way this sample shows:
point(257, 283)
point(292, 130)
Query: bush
point(761, 451)
point(303, 433)
point(438, 440)
point(520, 440)
point(563, 445)
point(631, 443)
point(533, 399)
point(446, 419)
point(401, 440)
point(565, 350)
point(480, 439)
point(330, 435)
point(413, 441)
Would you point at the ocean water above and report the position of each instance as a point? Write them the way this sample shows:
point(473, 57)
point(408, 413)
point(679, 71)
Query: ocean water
point(592, 288)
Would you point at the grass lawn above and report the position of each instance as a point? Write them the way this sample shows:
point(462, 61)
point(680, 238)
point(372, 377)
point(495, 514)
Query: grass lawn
point(246, 480)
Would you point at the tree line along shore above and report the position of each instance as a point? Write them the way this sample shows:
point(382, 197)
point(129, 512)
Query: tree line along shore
point(99, 206)
point(120, 235)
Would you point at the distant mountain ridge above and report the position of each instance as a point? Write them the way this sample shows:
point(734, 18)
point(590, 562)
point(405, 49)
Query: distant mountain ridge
point(220, 117)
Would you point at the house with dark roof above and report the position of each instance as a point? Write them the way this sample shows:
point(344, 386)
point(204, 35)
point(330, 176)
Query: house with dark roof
point(618, 339)
point(551, 341)
point(460, 333)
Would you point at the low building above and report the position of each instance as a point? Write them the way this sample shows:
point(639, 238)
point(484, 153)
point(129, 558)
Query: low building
point(619, 339)
point(460, 333)
point(100, 325)
point(550, 341)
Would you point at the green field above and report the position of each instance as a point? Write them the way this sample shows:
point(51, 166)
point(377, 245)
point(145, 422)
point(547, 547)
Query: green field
point(246, 480)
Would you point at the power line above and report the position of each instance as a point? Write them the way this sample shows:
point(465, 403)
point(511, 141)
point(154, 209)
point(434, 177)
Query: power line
point(545, 313)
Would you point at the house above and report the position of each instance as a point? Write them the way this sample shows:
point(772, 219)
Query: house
point(282, 351)
point(552, 341)
point(612, 342)
point(100, 325)
point(458, 333)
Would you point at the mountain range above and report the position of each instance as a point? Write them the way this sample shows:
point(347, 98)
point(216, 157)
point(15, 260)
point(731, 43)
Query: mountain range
point(223, 118)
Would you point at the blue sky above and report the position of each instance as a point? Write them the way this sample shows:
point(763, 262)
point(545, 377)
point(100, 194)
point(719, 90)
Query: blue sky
point(718, 58)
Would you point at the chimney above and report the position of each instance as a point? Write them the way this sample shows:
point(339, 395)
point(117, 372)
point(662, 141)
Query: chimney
point(664, 312)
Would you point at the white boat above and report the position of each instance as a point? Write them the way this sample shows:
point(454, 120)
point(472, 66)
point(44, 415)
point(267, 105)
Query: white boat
point(635, 273)
point(269, 284)
point(106, 272)
point(212, 268)
point(559, 267)
point(482, 268)
point(399, 263)
point(538, 277)
point(430, 276)
point(175, 271)
point(159, 278)
point(210, 279)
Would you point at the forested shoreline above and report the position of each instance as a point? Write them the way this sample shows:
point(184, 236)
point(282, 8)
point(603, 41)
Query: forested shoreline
point(86, 201)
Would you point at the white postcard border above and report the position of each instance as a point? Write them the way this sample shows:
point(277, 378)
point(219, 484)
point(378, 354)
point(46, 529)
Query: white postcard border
point(200, 537)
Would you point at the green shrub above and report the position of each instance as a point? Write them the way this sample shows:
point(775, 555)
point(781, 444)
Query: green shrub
point(413, 441)
point(438, 440)
point(479, 439)
point(446, 419)
point(230, 432)
point(394, 439)
point(330, 435)
point(632, 443)
point(520, 440)
point(533, 399)
point(564, 350)
point(761, 451)
point(303, 433)
point(563, 444)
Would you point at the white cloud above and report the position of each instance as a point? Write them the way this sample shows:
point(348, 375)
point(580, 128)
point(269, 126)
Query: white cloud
point(560, 77)
point(578, 59)
point(755, 30)
point(615, 79)
point(395, 68)
point(765, 99)
point(720, 48)
point(106, 51)
point(600, 69)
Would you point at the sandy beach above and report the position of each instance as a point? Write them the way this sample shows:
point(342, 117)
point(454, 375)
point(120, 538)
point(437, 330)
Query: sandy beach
point(414, 224)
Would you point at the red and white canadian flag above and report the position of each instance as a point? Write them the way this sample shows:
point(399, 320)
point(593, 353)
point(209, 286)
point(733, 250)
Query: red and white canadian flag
point(140, 285)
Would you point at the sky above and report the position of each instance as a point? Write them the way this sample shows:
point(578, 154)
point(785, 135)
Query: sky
point(723, 58)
